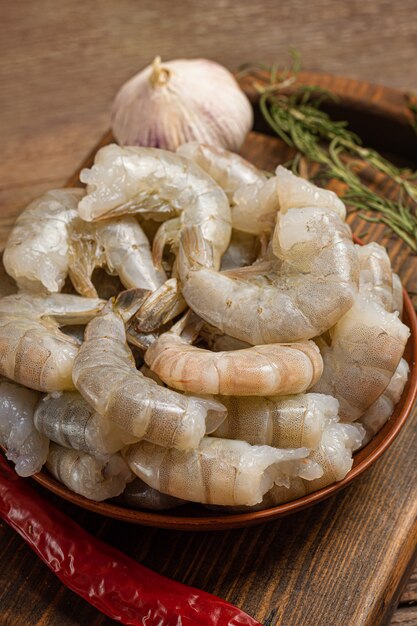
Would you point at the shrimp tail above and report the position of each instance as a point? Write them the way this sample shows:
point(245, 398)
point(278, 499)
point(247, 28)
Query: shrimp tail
point(167, 234)
point(82, 260)
point(195, 251)
point(188, 326)
point(128, 302)
point(162, 306)
point(140, 340)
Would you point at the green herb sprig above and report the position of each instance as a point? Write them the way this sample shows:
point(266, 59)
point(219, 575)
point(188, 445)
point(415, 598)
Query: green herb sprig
point(335, 150)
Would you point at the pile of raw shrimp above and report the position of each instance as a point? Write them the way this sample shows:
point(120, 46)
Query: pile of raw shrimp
point(186, 328)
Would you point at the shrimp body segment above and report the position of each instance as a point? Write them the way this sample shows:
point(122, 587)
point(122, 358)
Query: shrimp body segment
point(298, 295)
point(296, 421)
point(105, 374)
point(33, 351)
point(381, 410)
point(223, 471)
point(260, 370)
point(334, 454)
point(376, 273)
point(26, 447)
point(90, 477)
point(68, 420)
point(159, 184)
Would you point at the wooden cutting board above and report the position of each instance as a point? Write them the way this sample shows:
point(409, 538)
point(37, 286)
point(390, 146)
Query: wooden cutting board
point(343, 562)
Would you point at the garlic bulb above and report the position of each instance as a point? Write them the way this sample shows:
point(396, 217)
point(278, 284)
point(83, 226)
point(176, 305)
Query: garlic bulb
point(166, 105)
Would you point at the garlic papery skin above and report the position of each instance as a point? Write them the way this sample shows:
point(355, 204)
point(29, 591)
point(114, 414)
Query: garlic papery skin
point(169, 104)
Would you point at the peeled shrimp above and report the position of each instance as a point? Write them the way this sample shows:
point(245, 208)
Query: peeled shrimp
point(121, 246)
point(159, 184)
point(26, 447)
point(282, 422)
point(33, 351)
point(255, 198)
point(381, 410)
point(219, 471)
point(300, 294)
point(49, 241)
point(105, 374)
point(138, 495)
point(94, 479)
point(334, 455)
point(66, 418)
point(36, 254)
point(255, 206)
point(363, 351)
point(263, 370)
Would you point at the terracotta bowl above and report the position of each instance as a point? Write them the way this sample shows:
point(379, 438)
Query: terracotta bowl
point(374, 113)
point(195, 517)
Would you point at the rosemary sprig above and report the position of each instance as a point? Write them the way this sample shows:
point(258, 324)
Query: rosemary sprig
point(300, 122)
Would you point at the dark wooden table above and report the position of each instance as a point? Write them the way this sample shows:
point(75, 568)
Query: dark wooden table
point(60, 65)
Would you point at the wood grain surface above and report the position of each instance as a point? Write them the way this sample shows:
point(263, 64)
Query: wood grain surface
point(344, 561)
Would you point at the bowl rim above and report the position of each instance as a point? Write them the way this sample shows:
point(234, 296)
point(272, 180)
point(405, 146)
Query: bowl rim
point(376, 446)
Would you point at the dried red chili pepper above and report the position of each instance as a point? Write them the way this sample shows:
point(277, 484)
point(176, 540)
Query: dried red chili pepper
point(108, 579)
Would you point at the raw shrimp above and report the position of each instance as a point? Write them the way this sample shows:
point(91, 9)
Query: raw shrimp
point(49, 241)
point(33, 351)
point(26, 447)
point(90, 477)
point(364, 350)
point(104, 372)
point(254, 201)
point(138, 495)
point(334, 455)
point(381, 410)
point(219, 471)
point(66, 418)
point(159, 184)
point(36, 254)
point(263, 370)
point(121, 246)
point(282, 422)
point(299, 295)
